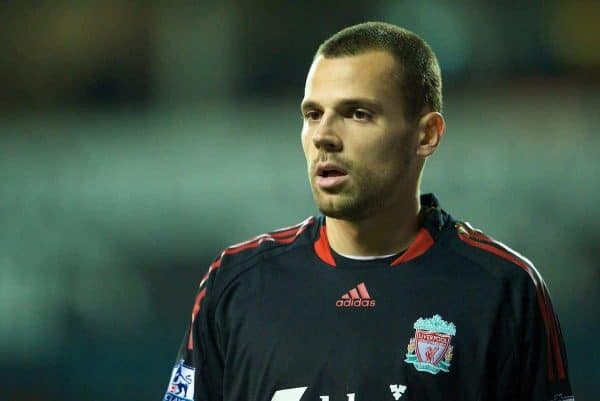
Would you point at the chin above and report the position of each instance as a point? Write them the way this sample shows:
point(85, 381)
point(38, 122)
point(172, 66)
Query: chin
point(351, 211)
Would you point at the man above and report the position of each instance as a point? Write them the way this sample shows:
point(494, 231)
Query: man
point(386, 296)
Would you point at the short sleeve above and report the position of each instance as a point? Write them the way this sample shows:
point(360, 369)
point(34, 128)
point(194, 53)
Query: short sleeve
point(543, 358)
point(198, 371)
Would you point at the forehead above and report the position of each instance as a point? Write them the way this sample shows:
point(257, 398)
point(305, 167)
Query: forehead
point(371, 74)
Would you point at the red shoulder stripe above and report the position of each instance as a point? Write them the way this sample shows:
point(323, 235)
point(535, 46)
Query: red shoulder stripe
point(282, 236)
point(478, 239)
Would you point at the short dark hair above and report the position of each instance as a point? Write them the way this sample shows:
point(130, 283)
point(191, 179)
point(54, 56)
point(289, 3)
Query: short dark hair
point(420, 76)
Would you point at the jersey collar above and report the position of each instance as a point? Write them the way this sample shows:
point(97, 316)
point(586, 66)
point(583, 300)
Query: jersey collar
point(434, 220)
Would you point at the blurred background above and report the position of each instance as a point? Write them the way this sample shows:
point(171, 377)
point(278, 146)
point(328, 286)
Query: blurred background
point(138, 139)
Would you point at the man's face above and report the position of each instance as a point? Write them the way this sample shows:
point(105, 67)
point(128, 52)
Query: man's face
point(360, 150)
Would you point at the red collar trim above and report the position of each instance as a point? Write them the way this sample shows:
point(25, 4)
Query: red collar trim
point(419, 246)
point(322, 247)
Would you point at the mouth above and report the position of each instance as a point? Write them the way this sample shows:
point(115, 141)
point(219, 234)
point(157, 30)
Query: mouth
point(330, 176)
point(331, 173)
point(330, 170)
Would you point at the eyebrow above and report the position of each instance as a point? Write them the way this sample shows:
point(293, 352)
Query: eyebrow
point(370, 104)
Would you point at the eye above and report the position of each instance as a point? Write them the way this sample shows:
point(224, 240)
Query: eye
point(361, 115)
point(312, 115)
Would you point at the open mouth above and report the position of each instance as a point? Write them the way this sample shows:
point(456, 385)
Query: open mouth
point(329, 176)
point(329, 170)
point(331, 173)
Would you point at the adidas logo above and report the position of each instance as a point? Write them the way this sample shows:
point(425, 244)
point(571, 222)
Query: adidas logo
point(358, 297)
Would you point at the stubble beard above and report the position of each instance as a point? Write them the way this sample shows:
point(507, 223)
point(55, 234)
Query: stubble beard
point(369, 191)
point(367, 194)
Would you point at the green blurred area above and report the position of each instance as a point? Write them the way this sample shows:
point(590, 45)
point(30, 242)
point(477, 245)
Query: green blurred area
point(138, 140)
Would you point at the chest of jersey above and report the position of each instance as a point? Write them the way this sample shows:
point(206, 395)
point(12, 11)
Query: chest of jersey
point(305, 332)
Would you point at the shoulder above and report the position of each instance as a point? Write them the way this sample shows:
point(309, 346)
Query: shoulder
point(236, 259)
point(530, 295)
point(504, 268)
point(493, 256)
point(258, 250)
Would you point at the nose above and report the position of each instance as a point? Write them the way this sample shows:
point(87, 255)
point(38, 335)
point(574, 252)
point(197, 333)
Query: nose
point(326, 135)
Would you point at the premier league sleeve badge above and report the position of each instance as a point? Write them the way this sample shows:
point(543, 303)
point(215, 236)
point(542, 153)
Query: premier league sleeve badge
point(430, 350)
point(181, 386)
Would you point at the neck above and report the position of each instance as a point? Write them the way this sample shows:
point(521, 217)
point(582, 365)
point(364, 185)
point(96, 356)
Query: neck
point(386, 232)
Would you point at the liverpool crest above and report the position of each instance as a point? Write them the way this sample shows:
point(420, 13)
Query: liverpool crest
point(430, 350)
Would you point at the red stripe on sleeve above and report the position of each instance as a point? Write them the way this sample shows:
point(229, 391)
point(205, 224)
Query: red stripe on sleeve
point(195, 312)
point(554, 355)
point(537, 279)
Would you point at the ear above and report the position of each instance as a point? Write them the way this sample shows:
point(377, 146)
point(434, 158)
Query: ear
point(430, 130)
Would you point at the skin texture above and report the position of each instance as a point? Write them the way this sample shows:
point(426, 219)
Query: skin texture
point(353, 116)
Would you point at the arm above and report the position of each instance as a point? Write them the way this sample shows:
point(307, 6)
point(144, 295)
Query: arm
point(198, 371)
point(543, 360)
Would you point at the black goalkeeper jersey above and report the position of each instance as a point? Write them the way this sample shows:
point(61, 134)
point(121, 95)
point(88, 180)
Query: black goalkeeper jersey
point(457, 316)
